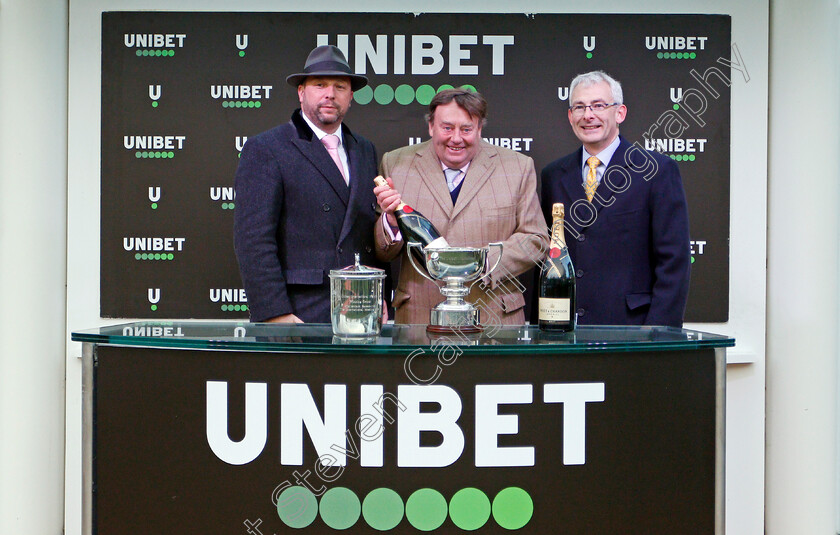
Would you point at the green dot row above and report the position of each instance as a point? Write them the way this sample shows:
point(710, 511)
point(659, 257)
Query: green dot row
point(156, 53)
point(426, 509)
point(228, 206)
point(154, 256)
point(404, 94)
point(154, 154)
point(241, 104)
point(683, 157)
point(676, 55)
point(234, 308)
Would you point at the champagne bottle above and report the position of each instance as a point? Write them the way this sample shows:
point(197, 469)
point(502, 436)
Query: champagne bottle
point(557, 280)
point(414, 227)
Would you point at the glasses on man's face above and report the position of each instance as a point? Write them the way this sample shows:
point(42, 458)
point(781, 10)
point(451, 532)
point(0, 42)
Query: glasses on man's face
point(598, 107)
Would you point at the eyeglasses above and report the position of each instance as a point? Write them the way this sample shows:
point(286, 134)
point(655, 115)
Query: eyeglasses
point(598, 107)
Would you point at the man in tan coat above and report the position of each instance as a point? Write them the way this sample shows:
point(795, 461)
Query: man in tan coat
point(474, 193)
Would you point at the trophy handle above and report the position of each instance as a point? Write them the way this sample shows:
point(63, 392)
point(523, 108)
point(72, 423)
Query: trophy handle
point(413, 263)
point(492, 269)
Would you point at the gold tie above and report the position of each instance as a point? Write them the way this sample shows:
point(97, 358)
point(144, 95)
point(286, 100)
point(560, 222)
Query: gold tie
point(591, 179)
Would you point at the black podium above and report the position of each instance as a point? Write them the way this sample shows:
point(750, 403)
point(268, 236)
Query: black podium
point(197, 427)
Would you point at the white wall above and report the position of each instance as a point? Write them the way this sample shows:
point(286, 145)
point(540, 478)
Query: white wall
point(33, 167)
point(803, 240)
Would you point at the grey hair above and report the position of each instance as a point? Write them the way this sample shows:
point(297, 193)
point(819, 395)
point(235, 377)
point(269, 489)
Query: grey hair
point(596, 77)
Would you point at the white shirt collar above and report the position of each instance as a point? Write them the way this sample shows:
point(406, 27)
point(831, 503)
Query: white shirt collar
point(604, 156)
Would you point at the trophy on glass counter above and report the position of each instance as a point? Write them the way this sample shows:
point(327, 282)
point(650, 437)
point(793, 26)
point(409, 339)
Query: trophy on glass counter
point(455, 267)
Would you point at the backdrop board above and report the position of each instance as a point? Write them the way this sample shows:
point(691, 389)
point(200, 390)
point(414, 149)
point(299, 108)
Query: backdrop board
point(198, 428)
point(181, 93)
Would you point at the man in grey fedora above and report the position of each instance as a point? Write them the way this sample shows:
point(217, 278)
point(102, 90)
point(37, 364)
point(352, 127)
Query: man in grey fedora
point(304, 197)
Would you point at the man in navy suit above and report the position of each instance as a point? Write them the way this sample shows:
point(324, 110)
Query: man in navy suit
point(626, 215)
point(302, 208)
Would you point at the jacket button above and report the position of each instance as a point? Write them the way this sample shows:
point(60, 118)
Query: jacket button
point(581, 237)
point(325, 207)
point(579, 273)
point(581, 312)
point(340, 250)
point(373, 206)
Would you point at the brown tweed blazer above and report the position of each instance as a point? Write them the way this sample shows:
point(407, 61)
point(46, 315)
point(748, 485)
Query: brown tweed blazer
point(498, 203)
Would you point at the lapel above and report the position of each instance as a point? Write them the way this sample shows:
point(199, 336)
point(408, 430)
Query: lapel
point(572, 178)
point(354, 157)
point(480, 171)
point(431, 173)
point(314, 151)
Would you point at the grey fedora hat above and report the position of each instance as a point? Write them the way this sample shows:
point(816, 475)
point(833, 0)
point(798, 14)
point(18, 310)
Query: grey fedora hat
point(327, 60)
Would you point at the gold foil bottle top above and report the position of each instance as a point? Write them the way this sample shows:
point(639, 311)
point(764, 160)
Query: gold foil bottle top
point(379, 181)
point(558, 211)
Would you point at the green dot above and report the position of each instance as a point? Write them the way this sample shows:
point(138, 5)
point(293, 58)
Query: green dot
point(589, 55)
point(691, 157)
point(673, 55)
point(171, 154)
point(138, 53)
point(444, 87)
point(244, 307)
point(138, 154)
point(171, 53)
point(469, 509)
point(170, 256)
point(224, 308)
point(383, 94)
point(143, 256)
point(693, 55)
point(154, 104)
point(231, 206)
point(425, 93)
point(679, 55)
point(252, 104)
point(692, 259)
point(469, 87)
point(364, 95)
point(154, 206)
point(154, 307)
point(258, 104)
point(382, 509)
point(404, 94)
point(224, 206)
point(340, 508)
point(676, 106)
point(137, 256)
point(241, 53)
point(160, 53)
point(659, 55)
point(512, 508)
point(297, 507)
point(671, 156)
point(224, 104)
point(426, 509)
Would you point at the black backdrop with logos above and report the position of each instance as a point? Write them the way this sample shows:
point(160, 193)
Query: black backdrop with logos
point(181, 92)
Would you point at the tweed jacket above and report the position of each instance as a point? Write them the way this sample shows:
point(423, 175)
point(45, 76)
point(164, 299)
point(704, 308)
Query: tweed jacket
point(498, 202)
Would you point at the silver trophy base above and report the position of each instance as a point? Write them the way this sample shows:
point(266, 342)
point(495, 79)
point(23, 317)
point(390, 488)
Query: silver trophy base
point(462, 320)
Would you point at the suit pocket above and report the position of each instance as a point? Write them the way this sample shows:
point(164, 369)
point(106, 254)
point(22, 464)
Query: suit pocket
point(400, 298)
point(304, 276)
point(638, 300)
point(511, 302)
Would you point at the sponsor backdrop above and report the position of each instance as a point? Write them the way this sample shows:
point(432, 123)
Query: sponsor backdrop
point(181, 93)
point(259, 443)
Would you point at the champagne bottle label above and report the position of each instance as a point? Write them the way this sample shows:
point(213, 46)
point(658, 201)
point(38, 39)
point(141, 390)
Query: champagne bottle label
point(555, 308)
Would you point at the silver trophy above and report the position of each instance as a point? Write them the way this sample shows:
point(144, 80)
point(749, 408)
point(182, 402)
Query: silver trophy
point(455, 267)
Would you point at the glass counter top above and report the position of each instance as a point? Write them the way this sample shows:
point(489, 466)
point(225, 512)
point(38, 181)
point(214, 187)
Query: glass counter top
point(318, 338)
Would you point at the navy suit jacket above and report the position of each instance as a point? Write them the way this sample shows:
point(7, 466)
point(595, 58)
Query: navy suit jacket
point(296, 219)
point(630, 245)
